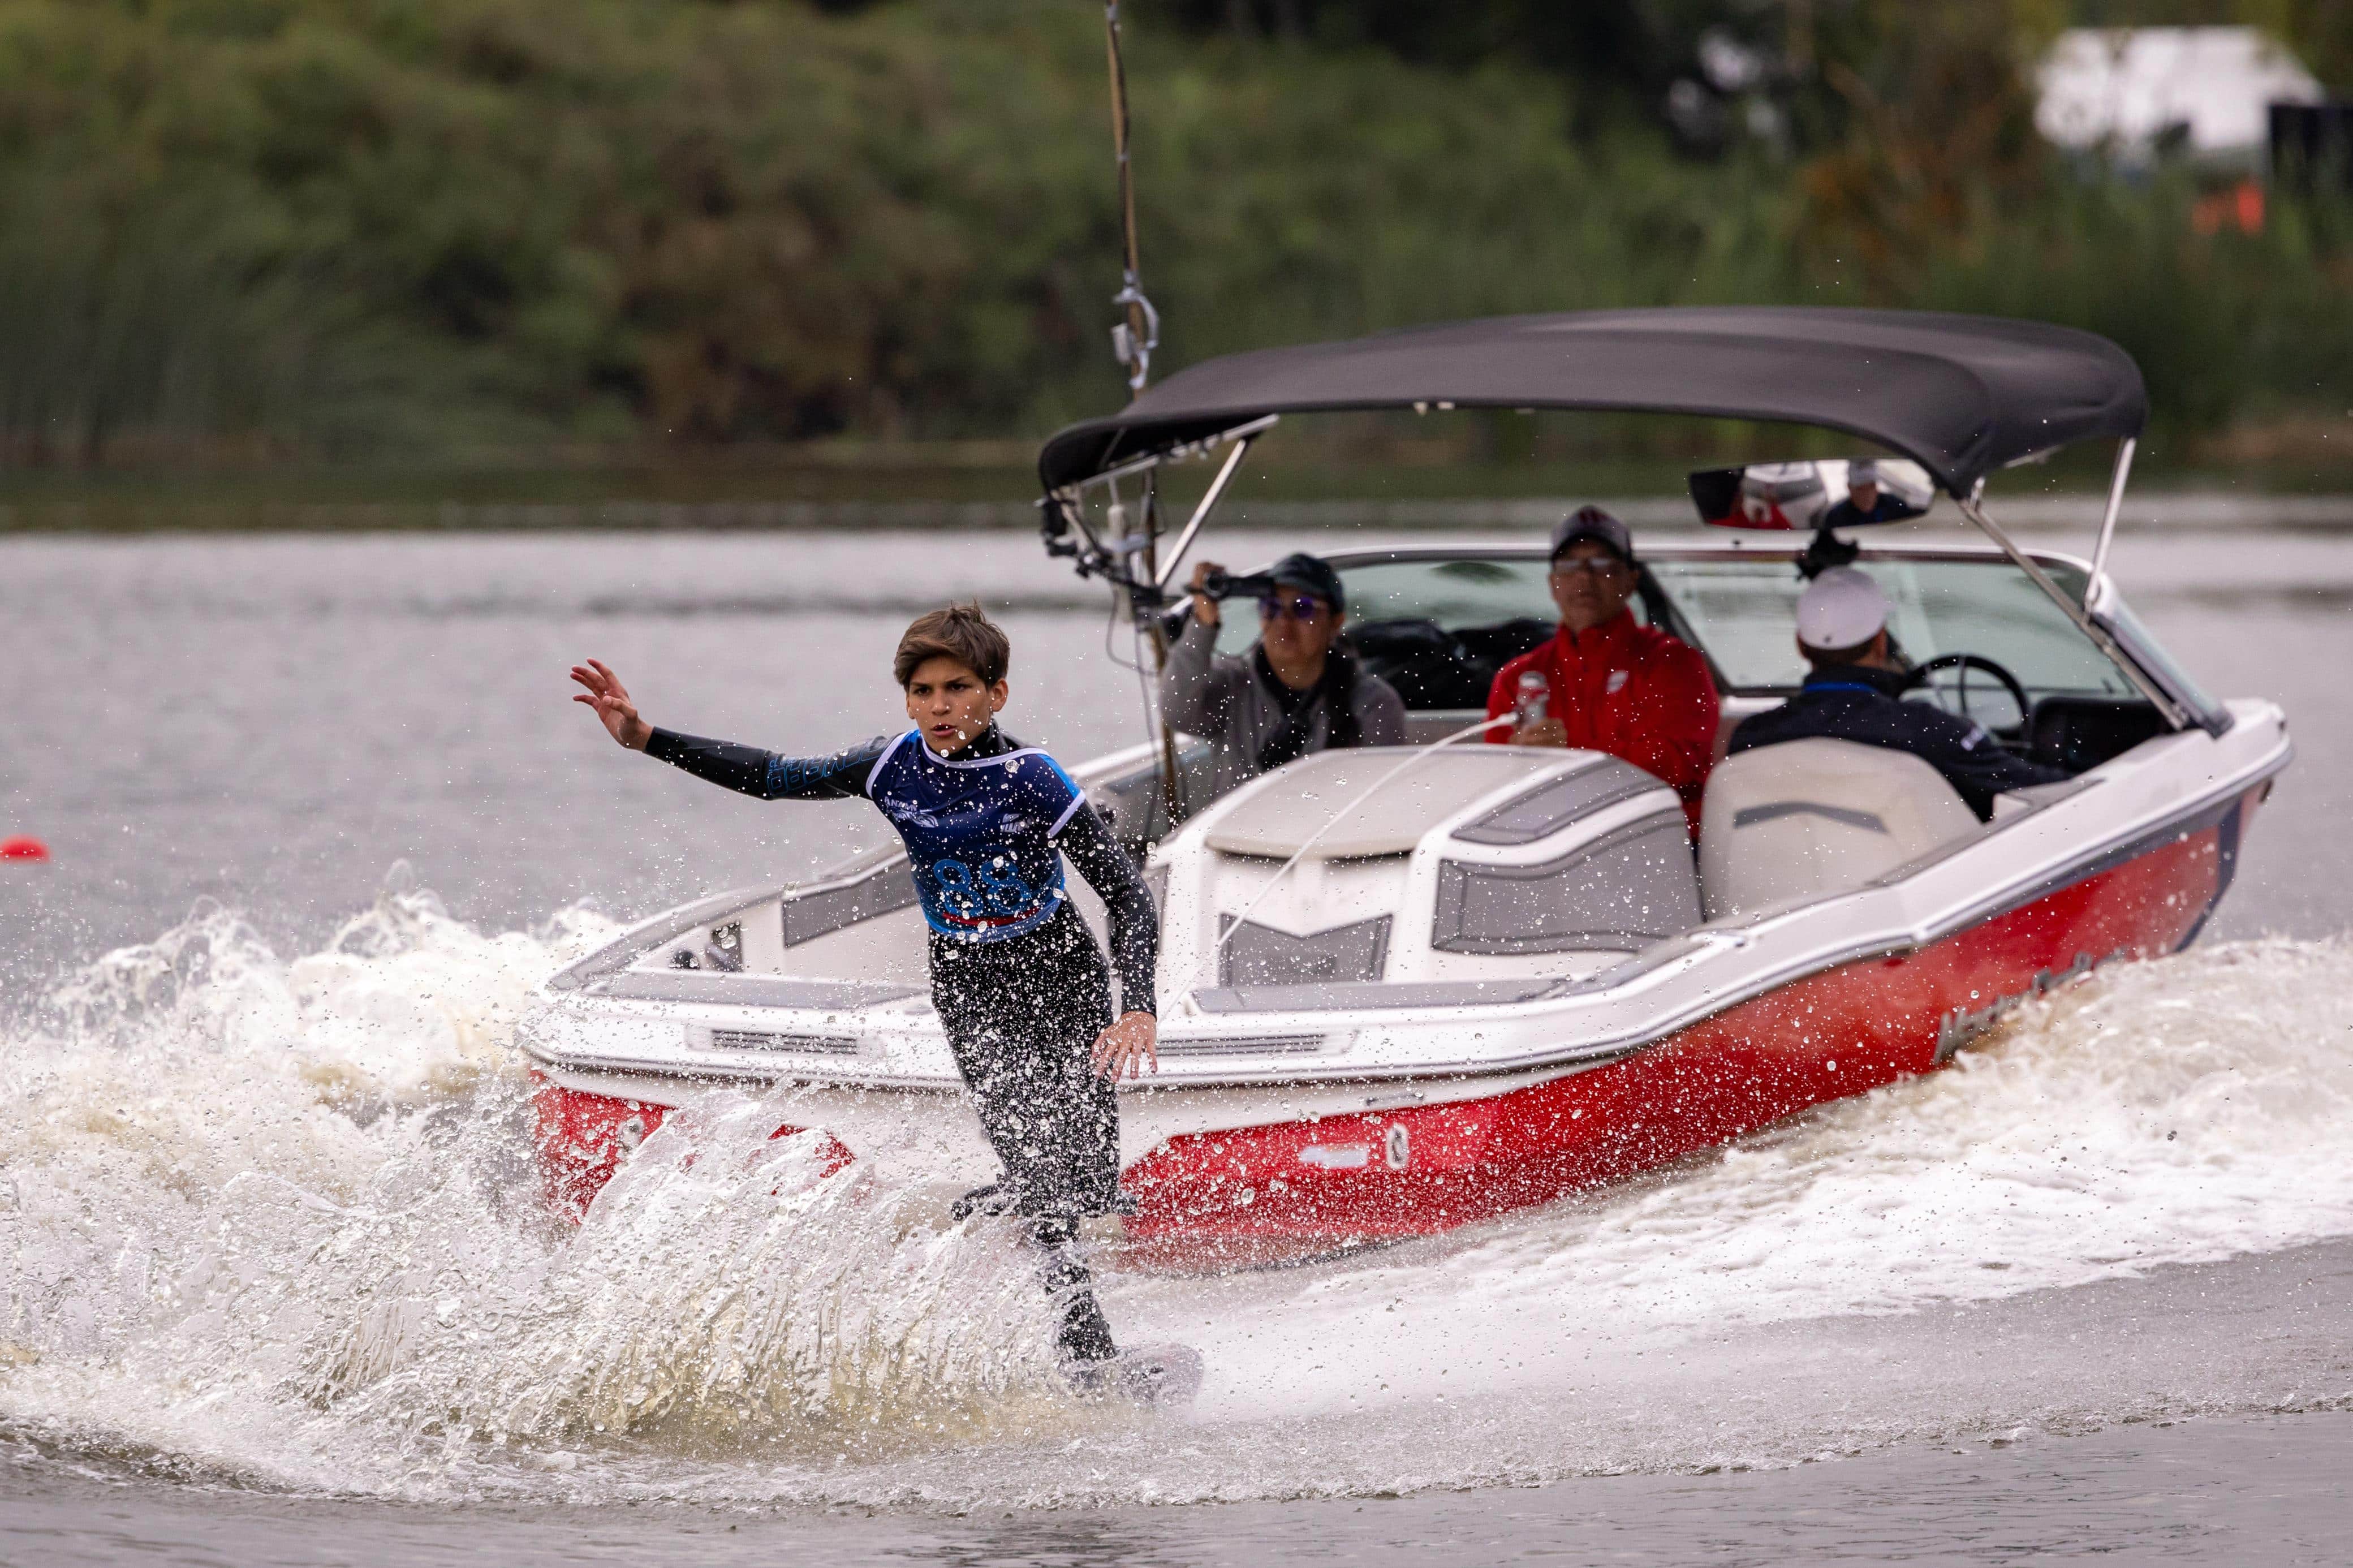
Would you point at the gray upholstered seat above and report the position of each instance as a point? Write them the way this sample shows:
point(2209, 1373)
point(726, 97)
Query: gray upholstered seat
point(1807, 819)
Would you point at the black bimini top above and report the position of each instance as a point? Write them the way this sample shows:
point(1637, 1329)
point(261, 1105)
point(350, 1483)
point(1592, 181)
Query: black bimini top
point(1960, 394)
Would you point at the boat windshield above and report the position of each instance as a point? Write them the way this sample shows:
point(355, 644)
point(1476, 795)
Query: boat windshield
point(1466, 593)
point(1743, 613)
point(1439, 627)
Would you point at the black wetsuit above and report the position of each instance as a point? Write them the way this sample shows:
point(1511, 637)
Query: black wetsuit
point(1020, 986)
point(1856, 702)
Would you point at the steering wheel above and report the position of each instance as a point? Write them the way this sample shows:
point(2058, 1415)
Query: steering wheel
point(1922, 672)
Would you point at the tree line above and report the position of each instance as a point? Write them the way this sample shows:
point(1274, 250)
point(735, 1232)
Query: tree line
point(393, 228)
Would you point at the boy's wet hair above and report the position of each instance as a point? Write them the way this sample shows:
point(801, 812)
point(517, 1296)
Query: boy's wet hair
point(960, 632)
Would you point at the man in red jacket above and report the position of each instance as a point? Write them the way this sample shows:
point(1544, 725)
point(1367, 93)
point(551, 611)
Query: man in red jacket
point(1611, 685)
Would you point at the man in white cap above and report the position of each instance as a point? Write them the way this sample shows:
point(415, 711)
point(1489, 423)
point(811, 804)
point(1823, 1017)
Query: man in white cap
point(1855, 693)
point(1609, 683)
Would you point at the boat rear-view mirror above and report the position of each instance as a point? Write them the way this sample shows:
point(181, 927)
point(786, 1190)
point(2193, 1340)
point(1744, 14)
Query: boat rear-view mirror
point(1825, 492)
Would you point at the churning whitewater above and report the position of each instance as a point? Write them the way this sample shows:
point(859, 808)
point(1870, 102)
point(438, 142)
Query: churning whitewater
point(275, 1222)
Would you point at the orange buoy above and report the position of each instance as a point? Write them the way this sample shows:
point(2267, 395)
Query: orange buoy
point(23, 849)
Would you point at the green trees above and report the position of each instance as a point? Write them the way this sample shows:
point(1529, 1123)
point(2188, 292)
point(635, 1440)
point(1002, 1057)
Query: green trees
point(525, 218)
point(425, 228)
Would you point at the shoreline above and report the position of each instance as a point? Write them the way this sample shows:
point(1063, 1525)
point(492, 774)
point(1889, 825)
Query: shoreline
point(2191, 510)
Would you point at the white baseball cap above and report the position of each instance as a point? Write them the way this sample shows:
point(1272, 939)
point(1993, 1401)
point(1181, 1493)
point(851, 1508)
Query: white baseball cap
point(1841, 609)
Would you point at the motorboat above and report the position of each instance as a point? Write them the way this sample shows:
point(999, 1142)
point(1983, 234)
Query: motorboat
point(1411, 987)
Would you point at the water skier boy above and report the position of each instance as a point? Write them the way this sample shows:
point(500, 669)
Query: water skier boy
point(1020, 986)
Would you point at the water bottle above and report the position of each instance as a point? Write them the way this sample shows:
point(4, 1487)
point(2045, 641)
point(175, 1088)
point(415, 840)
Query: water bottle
point(1535, 692)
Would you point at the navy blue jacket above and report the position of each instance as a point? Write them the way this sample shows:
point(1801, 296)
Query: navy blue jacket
point(1852, 703)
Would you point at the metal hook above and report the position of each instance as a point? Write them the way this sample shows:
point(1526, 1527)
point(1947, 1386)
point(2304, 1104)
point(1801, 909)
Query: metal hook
point(1133, 357)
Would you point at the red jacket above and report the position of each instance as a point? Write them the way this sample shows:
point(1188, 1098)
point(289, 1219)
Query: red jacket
point(1630, 691)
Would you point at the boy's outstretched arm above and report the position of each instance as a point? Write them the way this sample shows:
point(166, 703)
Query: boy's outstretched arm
point(1130, 1046)
point(745, 769)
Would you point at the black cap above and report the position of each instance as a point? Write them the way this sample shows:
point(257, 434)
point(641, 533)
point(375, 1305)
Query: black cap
point(1312, 572)
point(1592, 522)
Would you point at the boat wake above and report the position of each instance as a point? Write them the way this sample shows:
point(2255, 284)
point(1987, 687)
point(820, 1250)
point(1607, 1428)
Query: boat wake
point(2168, 1112)
point(273, 1222)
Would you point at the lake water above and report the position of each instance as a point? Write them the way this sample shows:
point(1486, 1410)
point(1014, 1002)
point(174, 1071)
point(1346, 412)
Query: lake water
point(321, 818)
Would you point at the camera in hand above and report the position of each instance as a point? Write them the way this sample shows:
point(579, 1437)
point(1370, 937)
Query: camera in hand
point(1222, 585)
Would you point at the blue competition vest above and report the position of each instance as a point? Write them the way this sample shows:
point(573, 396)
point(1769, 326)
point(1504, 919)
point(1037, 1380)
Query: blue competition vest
point(979, 833)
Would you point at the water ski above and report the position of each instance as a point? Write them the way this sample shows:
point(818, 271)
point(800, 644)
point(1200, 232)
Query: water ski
point(1149, 1374)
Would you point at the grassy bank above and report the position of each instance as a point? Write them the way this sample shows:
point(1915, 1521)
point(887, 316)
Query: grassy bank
point(296, 251)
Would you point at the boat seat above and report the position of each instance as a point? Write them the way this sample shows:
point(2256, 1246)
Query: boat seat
point(1805, 819)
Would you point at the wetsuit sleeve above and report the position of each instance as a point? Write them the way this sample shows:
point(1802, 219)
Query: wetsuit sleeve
point(750, 771)
point(1197, 690)
point(1134, 927)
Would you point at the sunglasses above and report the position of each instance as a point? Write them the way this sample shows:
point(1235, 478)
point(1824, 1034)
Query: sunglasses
point(1290, 606)
point(1600, 565)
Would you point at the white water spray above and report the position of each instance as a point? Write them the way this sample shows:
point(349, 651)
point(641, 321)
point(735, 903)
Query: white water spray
point(276, 1220)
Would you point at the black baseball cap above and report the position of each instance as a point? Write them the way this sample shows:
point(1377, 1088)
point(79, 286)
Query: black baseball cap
point(1312, 572)
point(1592, 522)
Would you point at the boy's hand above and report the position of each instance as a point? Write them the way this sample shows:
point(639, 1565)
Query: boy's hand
point(611, 700)
point(1205, 608)
point(1128, 1046)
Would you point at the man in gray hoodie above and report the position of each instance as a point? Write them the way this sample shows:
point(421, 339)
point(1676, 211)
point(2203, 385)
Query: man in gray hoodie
point(1296, 690)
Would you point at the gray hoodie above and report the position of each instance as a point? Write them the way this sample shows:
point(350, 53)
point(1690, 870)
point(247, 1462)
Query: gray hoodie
point(1223, 701)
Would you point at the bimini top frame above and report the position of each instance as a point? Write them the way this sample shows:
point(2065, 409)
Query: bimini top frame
point(1962, 395)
